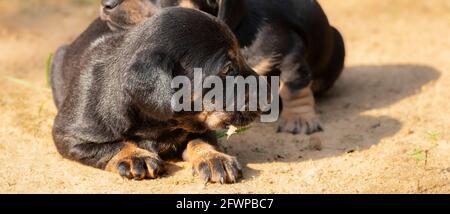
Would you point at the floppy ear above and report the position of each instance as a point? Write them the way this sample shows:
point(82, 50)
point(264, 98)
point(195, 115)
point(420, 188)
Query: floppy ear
point(232, 12)
point(149, 84)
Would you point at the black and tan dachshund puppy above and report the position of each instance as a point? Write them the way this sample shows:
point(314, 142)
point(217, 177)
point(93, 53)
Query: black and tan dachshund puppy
point(290, 38)
point(115, 110)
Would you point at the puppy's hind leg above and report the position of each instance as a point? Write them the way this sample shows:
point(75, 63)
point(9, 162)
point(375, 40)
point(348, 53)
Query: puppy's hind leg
point(298, 113)
point(333, 70)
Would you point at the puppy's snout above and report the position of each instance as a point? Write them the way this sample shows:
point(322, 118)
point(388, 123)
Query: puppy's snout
point(110, 4)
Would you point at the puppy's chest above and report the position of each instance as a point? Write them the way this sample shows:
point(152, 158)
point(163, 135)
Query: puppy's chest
point(159, 132)
point(167, 143)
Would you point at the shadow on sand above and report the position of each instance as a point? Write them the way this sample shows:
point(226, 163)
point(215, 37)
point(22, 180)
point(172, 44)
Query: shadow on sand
point(360, 89)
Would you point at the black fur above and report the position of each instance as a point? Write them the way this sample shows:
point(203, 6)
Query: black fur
point(69, 58)
point(277, 26)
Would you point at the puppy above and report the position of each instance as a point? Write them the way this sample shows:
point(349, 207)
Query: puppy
point(290, 38)
point(116, 113)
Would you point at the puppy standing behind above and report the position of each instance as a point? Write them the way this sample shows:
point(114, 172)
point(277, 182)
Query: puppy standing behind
point(290, 38)
point(116, 113)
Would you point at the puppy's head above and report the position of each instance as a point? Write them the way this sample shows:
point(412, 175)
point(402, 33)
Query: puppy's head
point(220, 65)
point(190, 40)
point(125, 14)
point(196, 41)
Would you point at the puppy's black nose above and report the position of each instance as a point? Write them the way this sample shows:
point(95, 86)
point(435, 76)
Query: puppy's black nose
point(110, 4)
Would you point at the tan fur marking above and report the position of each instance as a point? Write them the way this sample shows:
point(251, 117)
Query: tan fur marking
point(300, 104)
point(196, 149)
point(264, 66)
point(216, 119)
point(128, 14)
point(188, 4)
point(212, 119)
point(129, 150)
point(137, 10)
point(202, 154)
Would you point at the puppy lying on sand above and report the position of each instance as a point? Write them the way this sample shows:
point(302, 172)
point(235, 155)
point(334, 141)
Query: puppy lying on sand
point(114, 99)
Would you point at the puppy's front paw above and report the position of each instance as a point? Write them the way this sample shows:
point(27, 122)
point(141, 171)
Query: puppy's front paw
point(139, 168)
point(135, 163)
point(216, 167)
point(298, 124)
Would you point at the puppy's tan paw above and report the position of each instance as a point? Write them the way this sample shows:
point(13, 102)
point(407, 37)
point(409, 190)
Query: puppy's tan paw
point(135, 163)
point(299, 115)
point(297, 124)
point(216, 167)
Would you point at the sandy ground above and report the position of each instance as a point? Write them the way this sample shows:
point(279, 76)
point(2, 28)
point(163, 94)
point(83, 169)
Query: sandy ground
point(386, 121)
